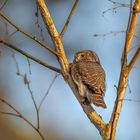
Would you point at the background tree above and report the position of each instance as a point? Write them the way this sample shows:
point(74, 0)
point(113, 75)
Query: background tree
point(106, 124)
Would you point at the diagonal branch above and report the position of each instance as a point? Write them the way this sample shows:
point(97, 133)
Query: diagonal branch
point(130, 30)
point(48, 90)
point(54, 36)
point(68, 19)
point(31, 57)
point(27, 83)
point(118, 5)
point(134, 59)
point(2, 6)
point(92, 115)
point(124, 71)
point(28, 35)
point(19, 115)
point(90, 112)
point(9, 113)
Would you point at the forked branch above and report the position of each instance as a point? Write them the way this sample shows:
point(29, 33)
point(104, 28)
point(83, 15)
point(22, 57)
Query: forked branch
point(90, 112)
point(27, 34)
point(134, 59)
point(124, 71)
point(19, 115)
point(30, 56)
point(106, 130)
point(68, 19)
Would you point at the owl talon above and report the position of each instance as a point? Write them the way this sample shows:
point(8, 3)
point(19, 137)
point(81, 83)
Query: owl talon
point(85, 101)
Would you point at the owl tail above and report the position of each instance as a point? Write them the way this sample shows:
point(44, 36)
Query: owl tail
point(97, 99)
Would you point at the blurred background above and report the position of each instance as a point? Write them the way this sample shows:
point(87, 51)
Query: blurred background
point(61, 117)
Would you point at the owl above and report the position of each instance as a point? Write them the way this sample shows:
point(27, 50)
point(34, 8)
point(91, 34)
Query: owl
point(89, 76)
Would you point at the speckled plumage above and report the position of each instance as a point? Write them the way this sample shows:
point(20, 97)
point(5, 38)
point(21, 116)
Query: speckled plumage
point(89, 77)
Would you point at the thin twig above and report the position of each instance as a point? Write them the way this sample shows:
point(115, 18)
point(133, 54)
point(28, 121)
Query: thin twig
point(129, 88)
point(9, 113)
point(31, 57)
point(115, 2)
point(29, 65)
point(109, 33)
point(68, 19)
point(131, 100)
point(35, 105)
point(27, 82)
point(134, 59)
point(20, 116)
point(28, 35)
point(48, 90)
point(119, 5)
point(12, 33)
point(17, 67)
point(37, 23)
point(113, 33)
point(2, 6)
point(31, 93)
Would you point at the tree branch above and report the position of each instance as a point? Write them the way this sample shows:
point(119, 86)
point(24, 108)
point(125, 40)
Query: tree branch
point(130, 33)
point(55, 36)
point(48, 90)
point(28, 35)
point(68, 19)
point(90, 112)
point(2, 6)
point(19, 115)
point(31, 57)
point(124, 72)
point(134, 59)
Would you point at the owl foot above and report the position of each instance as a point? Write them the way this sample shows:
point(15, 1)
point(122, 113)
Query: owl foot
point(85, 101)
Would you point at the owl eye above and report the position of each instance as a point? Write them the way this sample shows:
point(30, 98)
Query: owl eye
point(82, 55)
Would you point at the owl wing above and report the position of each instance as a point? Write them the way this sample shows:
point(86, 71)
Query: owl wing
point(90, 79)
point(93, 76)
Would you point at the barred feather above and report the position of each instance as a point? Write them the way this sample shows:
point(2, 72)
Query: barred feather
point(89, 76)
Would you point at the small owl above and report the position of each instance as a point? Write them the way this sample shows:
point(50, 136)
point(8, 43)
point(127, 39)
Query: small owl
point(89, 77)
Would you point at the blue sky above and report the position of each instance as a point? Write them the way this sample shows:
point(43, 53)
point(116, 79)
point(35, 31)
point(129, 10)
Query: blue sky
point(61, 114)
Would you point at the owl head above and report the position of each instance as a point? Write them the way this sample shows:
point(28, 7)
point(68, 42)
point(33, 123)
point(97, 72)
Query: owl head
point(86, 55)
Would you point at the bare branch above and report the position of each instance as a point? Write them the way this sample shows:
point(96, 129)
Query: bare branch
point(48, 90)
point(134, 59)
point(54, 35)
point(31, 57)
point(20, 116)
point(109, 33)
point(132, 100)
point(17, 67)
point(13, 33)
point(27, 83)
point(2, 6)
point(33, 99)
point(68, 19)
point(38, 25)
point(113, 33)
point(90, 112)
point(29, 65)
point(8, 113)
point(124, 71)
point(119, 5)
point(27, 34)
